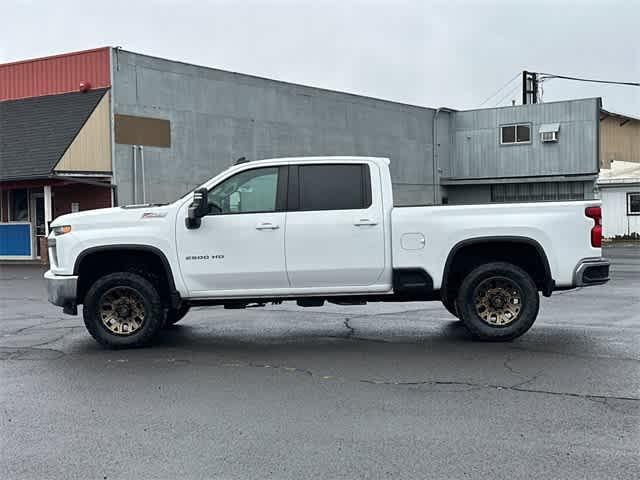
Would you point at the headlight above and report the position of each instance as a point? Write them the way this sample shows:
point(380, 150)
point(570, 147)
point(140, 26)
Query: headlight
point(61, 230)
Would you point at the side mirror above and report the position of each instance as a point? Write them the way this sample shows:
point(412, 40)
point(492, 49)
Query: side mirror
point(198, 208)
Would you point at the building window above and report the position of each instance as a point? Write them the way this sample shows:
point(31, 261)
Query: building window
point(633, 203)
point(19, 205)
point(514, 134)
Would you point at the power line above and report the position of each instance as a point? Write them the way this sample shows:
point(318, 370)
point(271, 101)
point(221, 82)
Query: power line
point(500, 89)
point(591, 80)
point(508, 93)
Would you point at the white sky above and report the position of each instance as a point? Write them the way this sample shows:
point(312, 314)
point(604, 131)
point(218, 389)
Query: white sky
point(432, 53)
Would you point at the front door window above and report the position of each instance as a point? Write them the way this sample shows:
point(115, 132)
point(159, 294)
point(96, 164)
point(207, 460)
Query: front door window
point(251, 191)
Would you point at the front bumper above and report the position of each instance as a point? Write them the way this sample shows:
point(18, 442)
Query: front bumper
point(62, 291)
point(591, 271)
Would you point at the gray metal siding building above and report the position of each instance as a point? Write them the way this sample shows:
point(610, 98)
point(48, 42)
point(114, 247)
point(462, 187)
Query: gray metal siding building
point(216, 117)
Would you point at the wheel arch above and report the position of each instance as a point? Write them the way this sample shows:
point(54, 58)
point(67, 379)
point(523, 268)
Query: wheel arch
point(545, 284)
point(124, 249)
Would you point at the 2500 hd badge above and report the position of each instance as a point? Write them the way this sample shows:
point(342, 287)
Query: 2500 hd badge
point(204, 257)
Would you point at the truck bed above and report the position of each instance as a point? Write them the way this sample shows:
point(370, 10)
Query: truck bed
point(425, 235)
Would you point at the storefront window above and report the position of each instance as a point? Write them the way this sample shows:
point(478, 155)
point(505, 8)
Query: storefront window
point(18, 205)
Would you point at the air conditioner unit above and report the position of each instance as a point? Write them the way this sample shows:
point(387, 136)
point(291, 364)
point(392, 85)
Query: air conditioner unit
point(549, 136)
point(549, 132)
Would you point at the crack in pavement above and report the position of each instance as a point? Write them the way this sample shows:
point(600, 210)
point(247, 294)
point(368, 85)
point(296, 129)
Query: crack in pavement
point(574, 355)
point(527, 378)
point(351, 331)
point(23, 353)
point(41, 325)
point(351, 334)
point(517, 387)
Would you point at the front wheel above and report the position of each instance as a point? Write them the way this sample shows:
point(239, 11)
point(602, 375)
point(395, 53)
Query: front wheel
point(122, 310)
point(498, 301)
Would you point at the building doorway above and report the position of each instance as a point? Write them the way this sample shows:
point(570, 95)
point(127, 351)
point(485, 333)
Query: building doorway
point(37, 221)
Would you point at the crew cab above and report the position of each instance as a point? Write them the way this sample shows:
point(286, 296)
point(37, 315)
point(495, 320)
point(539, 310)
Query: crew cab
point(316, 230)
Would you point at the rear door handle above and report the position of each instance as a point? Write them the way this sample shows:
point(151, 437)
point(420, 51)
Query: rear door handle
point(365, 221)
point(267, 226)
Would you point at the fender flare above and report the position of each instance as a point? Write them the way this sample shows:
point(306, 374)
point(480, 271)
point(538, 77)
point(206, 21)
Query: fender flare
point(141, 248)
point(549, 283)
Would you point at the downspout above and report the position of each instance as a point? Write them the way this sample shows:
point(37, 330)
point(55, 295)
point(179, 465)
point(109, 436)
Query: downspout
point(114, 181)
point(135, 175)
point(144, 189)
point(436, 184)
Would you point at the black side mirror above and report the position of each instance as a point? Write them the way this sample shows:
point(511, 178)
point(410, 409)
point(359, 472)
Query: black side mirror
point(198, 208)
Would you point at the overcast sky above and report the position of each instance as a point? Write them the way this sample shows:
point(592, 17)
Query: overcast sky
point(430, 53)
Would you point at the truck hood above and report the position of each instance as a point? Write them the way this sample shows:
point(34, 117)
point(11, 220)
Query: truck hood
point(113, 217)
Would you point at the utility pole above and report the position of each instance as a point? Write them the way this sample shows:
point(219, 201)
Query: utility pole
point(529, 87)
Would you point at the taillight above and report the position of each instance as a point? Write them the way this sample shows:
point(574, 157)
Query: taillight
point(596, 231)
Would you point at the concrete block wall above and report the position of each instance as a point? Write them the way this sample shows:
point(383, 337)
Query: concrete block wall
point(217, 117)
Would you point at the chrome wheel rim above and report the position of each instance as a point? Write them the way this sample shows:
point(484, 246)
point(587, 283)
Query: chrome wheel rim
point(498, 301)
point(122, 311)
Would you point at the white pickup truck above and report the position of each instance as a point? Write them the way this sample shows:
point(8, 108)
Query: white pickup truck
point(313, 230)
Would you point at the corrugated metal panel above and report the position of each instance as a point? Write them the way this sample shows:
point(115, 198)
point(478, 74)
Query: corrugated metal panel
point(57, 74)
point(477, 152)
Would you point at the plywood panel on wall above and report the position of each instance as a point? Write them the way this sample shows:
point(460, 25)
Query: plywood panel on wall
point(619, 142)
point(90, 151)
point(134, 130)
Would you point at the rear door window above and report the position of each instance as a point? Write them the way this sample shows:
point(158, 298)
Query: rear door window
point(333, 187)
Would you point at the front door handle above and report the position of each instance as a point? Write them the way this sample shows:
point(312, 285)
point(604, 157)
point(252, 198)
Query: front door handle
point(267, 226)
point(365, 221)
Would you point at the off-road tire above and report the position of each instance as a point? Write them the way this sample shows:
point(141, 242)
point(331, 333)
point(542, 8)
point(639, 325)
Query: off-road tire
point(529, 302)
point(152, 304)
point(174, 315)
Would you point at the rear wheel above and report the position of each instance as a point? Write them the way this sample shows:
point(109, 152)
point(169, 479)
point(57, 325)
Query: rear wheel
point(122, 310)
point(498, 301)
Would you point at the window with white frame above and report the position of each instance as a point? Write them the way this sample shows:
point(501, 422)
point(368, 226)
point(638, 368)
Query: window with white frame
point(515, 134)
point(633, 203)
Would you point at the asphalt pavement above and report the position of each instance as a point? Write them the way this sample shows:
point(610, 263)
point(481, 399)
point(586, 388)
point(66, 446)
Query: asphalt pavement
point(376, 391)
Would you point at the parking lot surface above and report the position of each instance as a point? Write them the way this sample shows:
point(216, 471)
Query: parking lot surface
point(377, 391)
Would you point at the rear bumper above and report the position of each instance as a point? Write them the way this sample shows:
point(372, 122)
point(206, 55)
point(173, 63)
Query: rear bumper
point(591, 271)
point(62, 291)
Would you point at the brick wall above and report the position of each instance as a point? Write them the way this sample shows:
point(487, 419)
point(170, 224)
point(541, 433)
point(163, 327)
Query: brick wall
point(88, 197)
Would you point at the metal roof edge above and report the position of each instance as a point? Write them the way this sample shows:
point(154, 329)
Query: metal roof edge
point(282, 82)
point(57, 55)
point(452, 182)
